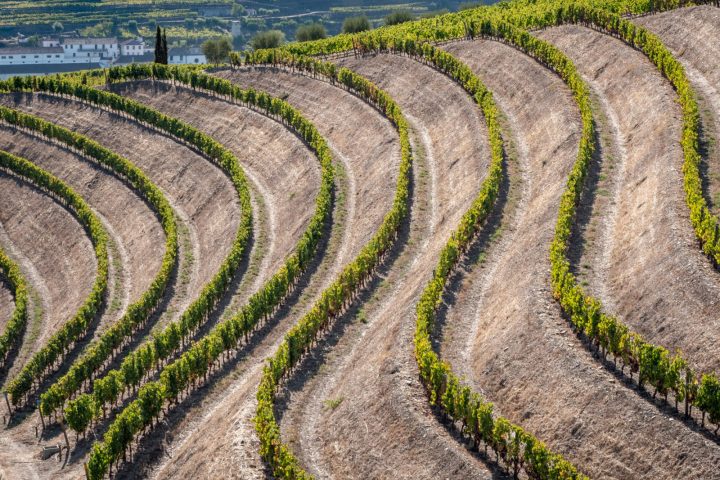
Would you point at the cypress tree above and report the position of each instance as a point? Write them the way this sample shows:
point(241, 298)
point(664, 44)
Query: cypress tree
point(165, 55)
point(158, 46)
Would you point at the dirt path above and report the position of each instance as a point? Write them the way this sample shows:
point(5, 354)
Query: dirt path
point(687, 33)
point(215, 436)
point(283, 162)
point(54, 246)
point(19, 455)
point(525, 357)
point(457, 331)
point(132, 225)
point(598, 212)
point(359, 410)
point(660, 282)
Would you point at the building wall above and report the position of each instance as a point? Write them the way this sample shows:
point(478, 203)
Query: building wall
point(104, 50)
point(30, 58)
point(104, 53)
point(129, 50)
point(185, 59)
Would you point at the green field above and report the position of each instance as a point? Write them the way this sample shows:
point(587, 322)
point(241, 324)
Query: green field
point(191, 21)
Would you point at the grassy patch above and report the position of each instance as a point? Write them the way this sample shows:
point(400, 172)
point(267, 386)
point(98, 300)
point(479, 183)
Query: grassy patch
point(333, 403)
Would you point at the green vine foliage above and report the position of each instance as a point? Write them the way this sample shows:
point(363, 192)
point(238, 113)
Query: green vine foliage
point(354, 276)
point(97, 354)
point(18, 319)
point(149, 356)
point(75, 328)
point(518, 448)
point(114, 338)
point(508, 22)
point(654, 364)
point(206, 354)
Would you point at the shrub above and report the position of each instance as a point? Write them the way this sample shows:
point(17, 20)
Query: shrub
point(356, 24)
point(399, 16)
point(310, 31)
point(217, 50)
point(267, 39)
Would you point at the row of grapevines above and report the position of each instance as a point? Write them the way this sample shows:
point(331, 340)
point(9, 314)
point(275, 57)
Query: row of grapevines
point(164, 344)
point(453, 25)
point(78, 325)
point(707, 225)
point(654, 363)
point(517, 447)
point(137, 314)
point(18, 320)
point(514, 444)
point(205, 355)
point(344, 289)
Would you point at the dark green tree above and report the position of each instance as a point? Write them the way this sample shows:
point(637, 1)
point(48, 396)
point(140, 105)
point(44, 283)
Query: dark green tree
point(218, 50)
point(356, 24)
point(165, 55)
point(267, 39)
point(158, 45)
point(399, 16)
point(310, 31)
point(161, 48)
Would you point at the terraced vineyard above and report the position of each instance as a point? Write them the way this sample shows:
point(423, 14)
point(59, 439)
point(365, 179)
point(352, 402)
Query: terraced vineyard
point(480, 245)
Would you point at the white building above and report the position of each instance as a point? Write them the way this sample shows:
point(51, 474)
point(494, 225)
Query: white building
point(50, 42)
point(186, 55)
point(107, 48)
point(132, 48)
point(31, 56)
point(236, 28)
point(68, 51)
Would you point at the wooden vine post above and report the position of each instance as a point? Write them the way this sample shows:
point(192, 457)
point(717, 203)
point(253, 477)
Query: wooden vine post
point(7, 402)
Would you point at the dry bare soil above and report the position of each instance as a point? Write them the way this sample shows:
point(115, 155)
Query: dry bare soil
point(219, 439)
point(355, 407)
point(130, 222)
point(53, 250)
point(656, 279)
point(520, 351)
point(367, 392)
point(688, 33)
